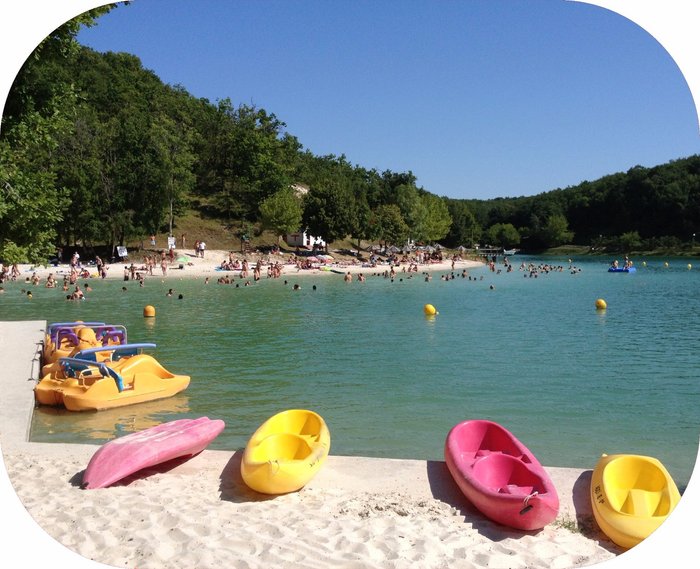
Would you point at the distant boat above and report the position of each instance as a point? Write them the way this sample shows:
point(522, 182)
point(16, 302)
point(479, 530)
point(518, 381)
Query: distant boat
point(508, 252)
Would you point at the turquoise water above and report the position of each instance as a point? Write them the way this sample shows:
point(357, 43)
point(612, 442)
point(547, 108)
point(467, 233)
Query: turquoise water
point(532, 354)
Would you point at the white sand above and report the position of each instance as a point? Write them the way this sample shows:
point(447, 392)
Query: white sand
point(358, 512)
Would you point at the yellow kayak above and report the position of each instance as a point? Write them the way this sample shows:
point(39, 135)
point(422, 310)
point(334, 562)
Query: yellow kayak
point(632, 495)
point(286, 452)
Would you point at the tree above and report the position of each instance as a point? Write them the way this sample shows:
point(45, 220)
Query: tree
point(556, 231)
point(245, 159)
point(630, 240)
point(391, 226)
point(30, 201)
point(366, 226)
point(172, 143)
point(33, 90)
point(503, 235)
point(412, 209)
point(437, 221)
point(77, 166)
point(281, 212)
point(329, 212)
point(465, 230)
point(37, 115)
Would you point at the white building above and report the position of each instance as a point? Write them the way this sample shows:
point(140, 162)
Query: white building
point(303, 239)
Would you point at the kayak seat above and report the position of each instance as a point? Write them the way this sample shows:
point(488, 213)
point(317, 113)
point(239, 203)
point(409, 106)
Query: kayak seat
point(516, 490)
point(485, 452)
point(646, 503)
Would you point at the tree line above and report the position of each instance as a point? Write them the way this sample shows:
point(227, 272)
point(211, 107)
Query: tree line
point(97, 150)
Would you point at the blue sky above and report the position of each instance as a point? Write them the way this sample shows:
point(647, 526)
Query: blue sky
point(478, 98)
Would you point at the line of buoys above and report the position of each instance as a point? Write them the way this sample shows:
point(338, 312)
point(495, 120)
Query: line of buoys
point(600, 304)
point(149, 311)
point(429, 310)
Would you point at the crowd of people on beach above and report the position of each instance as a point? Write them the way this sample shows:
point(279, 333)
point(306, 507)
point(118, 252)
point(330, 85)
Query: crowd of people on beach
point(239, 270)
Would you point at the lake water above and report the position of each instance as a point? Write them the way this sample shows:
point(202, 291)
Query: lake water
point(533, 354)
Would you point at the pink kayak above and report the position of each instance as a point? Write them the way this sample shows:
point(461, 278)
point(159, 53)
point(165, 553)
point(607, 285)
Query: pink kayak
point(121, 457)
point(500, 476)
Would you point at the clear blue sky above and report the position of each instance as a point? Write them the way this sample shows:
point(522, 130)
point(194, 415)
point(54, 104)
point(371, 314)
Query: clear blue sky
point(478, 98)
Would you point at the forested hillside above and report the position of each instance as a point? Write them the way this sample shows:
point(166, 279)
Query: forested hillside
point(97, 150)
point(645, 208)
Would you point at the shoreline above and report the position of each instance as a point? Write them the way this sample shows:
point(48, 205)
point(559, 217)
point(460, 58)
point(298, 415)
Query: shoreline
point(197, 267)
point(358, 512)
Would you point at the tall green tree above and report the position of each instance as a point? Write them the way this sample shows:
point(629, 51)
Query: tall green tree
point(247, 158)
point(391, 227)
point(464, 230)
point(38, 113)
point(412, 208)
point(555, 231)
point(503, 235)
point(437, 220)
point(78, 166)
point(281, 212)
point(30, 201)
point(173, 147)
point(329, 212)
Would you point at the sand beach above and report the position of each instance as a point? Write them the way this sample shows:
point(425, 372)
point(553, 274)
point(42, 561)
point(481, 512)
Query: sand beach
point(186, 265)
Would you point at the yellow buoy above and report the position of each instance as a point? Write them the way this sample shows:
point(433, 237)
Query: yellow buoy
point(600, 304)
point(690, 266)
point(429, 310)
point(149, 311)
point(666, 264)
point(644, 263)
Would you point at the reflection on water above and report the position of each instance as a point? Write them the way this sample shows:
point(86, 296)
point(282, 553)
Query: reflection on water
point(56, 424)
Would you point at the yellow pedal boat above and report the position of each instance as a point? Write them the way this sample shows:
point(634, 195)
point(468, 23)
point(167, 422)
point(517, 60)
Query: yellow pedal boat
point(286, 452)
point(632, 495)
point(49, 390)
point(89, 385)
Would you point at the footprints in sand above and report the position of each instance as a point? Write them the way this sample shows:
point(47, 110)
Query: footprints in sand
point(179, 522)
